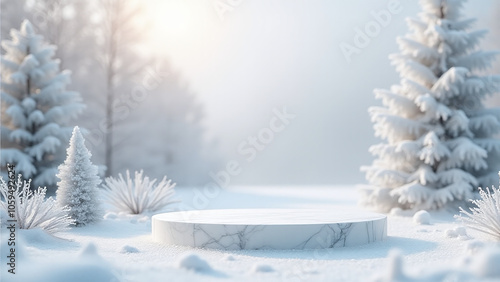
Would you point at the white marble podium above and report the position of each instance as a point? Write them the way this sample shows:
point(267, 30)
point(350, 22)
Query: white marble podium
point(237, 229)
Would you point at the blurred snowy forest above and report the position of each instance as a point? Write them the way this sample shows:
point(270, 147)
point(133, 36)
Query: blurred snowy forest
point(141, 113)
point(211, 79)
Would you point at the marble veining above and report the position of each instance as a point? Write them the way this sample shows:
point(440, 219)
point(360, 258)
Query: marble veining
point(281, 229)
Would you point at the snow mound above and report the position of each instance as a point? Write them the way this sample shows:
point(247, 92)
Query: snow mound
point(400, 212)
point(422, 217)
point(229, 258)
point(396, 211)
point(473, 247)
point(87, 266)
point(395, 268)
point(110, 216)
point(89, 251)
point(194, 262)
point(486, 264)
point(129, 249)
point(262, 268)
point(458, 232)
point(74, 271)
point(38, 236)
point(479, 266)
point(20, 254)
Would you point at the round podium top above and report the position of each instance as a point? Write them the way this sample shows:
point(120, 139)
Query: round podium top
point(268, 216)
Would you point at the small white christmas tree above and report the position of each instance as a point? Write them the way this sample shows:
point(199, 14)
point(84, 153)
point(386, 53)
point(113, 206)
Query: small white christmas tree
point(439, 136)
point(79, 180)
point(35, 107)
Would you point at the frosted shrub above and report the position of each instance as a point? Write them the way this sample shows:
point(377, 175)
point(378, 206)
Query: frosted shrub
point(485, 217)
point(140, 194)
point(32, 210)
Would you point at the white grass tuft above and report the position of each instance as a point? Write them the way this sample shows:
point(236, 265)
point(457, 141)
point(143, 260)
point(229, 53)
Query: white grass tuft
point(485, 217)
point(32, 209)
point(138, 195)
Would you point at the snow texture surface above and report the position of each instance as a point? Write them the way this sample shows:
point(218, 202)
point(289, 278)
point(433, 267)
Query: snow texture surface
point(425, 252)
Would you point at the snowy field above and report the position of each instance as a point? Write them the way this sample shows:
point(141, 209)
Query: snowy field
point(124, 250)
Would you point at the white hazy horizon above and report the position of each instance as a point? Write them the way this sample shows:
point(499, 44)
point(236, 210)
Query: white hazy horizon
point(266, 55)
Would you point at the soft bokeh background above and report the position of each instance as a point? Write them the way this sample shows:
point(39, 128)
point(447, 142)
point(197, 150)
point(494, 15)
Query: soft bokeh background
point(239, 64)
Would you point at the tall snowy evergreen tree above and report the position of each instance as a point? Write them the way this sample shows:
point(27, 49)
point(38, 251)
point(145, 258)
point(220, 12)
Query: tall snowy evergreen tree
point(35, 107)
point(78, 186)
point(439, 136)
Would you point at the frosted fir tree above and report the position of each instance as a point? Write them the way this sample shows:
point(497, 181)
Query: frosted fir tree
point(35, 107)
point(79, 180)
point(439, 136)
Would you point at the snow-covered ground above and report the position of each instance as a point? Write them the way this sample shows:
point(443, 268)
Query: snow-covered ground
point(120, 247)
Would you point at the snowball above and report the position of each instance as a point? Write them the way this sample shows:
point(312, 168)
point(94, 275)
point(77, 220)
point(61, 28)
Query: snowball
point(193, 262)
point(229, 258)
point(422, 217)
point(262, 268)
point(128, 249)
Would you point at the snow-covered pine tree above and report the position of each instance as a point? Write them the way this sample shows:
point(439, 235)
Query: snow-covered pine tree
point(79, 180)
point(439, 136)
point(35, 107)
